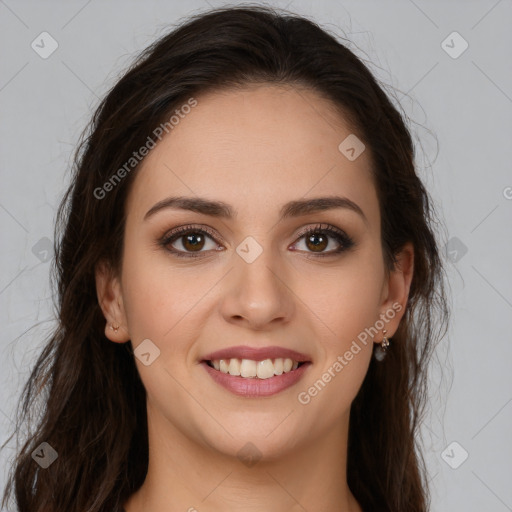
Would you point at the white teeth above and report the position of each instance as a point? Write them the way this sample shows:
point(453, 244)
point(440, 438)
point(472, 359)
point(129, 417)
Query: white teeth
point(278, 366)
point(265, 369)
point(234, 367)
point(247, 368)
point(250, 369)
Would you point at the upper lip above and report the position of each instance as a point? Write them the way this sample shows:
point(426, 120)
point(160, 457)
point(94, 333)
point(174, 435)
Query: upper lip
point(257, 354)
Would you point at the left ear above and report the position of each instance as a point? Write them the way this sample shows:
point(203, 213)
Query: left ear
point(396, 290)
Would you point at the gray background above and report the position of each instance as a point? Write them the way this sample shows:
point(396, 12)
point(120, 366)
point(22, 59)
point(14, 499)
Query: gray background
point(460, 110)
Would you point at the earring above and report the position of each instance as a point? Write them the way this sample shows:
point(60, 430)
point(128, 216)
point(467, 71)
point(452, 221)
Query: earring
point(115, 329)
point(380, 350)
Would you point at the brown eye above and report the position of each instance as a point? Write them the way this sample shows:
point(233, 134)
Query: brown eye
point(317, 242)
point(193, 241)
point(186, 241)
point(318, 239)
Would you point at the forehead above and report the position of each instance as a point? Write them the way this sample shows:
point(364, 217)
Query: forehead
point(256, 147)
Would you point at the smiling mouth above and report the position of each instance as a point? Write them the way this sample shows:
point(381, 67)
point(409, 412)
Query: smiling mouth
point(251, 369)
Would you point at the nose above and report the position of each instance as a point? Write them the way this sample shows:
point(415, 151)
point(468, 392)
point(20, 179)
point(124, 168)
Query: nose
point(258, 294)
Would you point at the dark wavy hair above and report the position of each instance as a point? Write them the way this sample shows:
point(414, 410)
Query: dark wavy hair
point(90, 400)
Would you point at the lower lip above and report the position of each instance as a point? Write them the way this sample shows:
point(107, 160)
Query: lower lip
point(255, 387)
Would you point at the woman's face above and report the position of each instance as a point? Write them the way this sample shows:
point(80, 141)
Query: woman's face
point(253, 279)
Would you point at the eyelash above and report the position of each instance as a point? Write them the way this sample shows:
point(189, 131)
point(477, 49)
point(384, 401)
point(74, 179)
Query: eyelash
point(340, 236)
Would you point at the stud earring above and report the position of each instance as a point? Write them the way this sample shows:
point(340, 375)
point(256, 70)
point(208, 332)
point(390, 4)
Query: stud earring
point(115, 329)
point(380, 350)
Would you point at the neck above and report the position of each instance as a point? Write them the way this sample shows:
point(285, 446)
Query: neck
point(186, 475)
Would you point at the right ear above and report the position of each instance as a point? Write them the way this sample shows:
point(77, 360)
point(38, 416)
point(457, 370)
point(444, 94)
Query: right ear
point(110, 299)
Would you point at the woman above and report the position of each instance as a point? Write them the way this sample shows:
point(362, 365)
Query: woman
point(249, 287)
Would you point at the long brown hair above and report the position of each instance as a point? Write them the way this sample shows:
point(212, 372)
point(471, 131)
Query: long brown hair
point(87, 389)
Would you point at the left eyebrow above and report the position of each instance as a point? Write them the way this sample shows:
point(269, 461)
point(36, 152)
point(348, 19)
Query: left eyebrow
point(223, 210)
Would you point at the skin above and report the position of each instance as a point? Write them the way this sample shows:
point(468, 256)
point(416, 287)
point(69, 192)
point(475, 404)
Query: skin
point(254, 149)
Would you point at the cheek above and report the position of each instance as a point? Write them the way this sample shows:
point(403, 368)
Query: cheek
point(155, 298)
point(345, 300)
point(344, 310)
point(344, 306)
point(164, 302)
